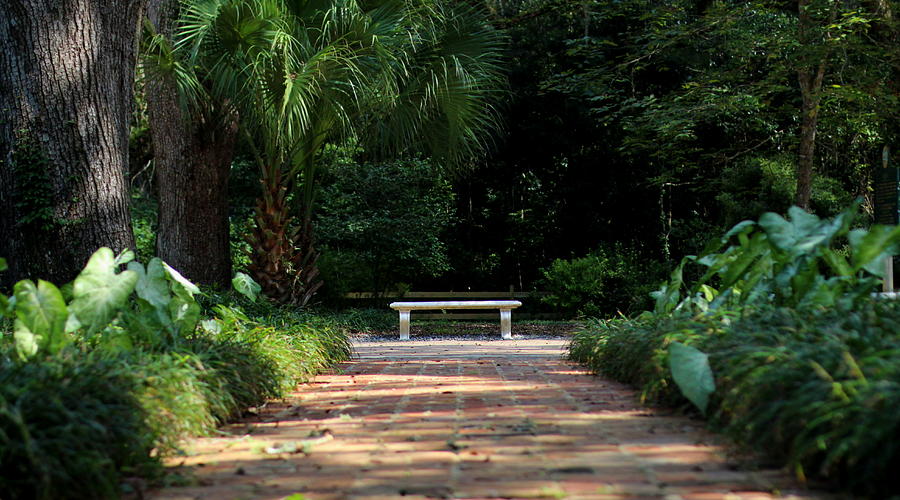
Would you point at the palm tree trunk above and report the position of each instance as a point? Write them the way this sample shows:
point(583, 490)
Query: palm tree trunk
point(283, 258)
point(66, 76)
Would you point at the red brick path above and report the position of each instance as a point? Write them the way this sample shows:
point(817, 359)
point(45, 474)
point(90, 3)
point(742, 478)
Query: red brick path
point(467, 419)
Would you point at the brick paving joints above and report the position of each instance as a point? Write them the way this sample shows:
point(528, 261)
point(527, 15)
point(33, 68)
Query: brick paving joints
point(466, 419)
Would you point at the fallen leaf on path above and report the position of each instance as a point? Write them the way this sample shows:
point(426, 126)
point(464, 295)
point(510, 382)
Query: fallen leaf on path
point(304, 446)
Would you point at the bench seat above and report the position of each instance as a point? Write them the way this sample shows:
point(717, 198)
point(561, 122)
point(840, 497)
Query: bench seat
point(505, 307)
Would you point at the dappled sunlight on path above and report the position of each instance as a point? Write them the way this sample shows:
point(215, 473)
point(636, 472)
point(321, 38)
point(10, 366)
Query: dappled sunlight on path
point(466, 419)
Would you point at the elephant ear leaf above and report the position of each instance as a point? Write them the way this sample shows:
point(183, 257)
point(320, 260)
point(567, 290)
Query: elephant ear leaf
point(181, 286)
point(41, 315)
point(692, 373)
point(99, 293)
point(152, 285)
point(246, 286)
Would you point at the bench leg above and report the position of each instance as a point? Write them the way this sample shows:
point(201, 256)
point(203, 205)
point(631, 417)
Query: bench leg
point(506, 323)
point(404, 325)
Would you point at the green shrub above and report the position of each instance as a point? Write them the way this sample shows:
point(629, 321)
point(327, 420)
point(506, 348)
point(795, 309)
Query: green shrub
point(100, 378)
point(819, 388)
point(178, 396)
point(71, 427)
point(384, 224)
point(804, 360)
point(755, 185)
point(143, 223)
point(634, 350)
point(815, 388)
point(367, 319)
point(610, 280)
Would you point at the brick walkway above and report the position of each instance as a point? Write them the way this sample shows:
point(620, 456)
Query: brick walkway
point(467, 419)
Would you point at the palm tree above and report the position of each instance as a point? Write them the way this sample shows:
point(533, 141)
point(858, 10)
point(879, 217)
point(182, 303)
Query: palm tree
point(399, 75)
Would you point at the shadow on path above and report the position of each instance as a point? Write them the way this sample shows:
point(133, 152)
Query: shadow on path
point(467, 419)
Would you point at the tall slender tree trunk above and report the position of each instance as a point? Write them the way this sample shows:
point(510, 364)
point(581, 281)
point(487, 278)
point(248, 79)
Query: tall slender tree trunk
point(66, 76)
point(810, 90)
point(810, 76)
point(192, 158)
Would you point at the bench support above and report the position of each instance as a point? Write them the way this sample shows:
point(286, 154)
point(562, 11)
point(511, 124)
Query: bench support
point(505, 306)
point(506, 323)
point(404, 325)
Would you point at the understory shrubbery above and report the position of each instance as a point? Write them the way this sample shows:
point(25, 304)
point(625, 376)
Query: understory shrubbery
point(610, 280)
point(779, 343)
point(100, 379)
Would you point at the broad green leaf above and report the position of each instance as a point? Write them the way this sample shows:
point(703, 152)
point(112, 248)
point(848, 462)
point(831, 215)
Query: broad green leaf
point(742, 227)
point(185, 314)
point(669, 294)
point(837, 262)
point(26, 341)
point(211, 326)
point(67, 292)
point(148, 323)
point(230, 313)
point(691, 371)
point(246, 286)
point(41, 311)
point(870, 248)
point(737, 269)
point(180, 285)
point(124, 258)
point(803, 232)
point(806, 281)
point(152, 285)
point(780, 231)
point(709, 293)
point(3, 264)
point(6, 307)
point(99, 292)
point(72, 323)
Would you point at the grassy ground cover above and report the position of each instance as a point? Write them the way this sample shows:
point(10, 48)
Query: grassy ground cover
point(814, 389)
point(373, 322)
point(780, 344)
point(88, 413)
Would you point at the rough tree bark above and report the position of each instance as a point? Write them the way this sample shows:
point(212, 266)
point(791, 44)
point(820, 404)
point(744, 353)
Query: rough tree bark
point(66, 76)
point(192, 158)
point(810, 80)
point(810, 77)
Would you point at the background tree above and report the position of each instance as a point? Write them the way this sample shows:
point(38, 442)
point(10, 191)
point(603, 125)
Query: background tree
point(301, 74)
point(381, 225)
point(656, 124)
point(193, 148)
point(66, 73)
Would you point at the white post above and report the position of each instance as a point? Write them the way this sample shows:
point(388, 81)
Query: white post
point(404, 324)
point(888, 274)
point(506, 323)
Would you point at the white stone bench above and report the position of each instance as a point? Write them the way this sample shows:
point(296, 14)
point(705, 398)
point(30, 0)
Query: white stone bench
point(505, 306)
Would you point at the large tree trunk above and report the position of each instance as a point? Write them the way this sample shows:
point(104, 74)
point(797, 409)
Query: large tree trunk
point(66, 76)
point(192, 157)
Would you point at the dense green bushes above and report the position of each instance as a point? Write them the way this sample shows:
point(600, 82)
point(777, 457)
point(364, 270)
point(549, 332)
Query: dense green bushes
point(612, 279)
point(88, 404)
point(802, 358)
point(381, 225)
point(817, 388)
point(70, 427)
